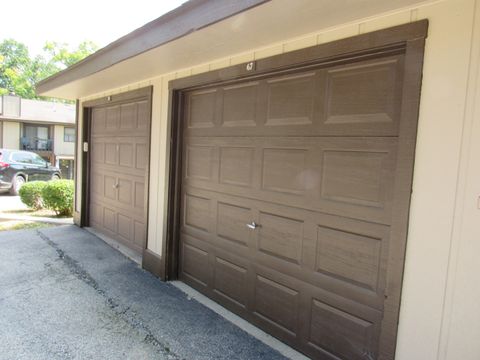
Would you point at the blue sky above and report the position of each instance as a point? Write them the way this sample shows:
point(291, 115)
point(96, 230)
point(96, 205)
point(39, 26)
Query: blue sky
point(74, 21)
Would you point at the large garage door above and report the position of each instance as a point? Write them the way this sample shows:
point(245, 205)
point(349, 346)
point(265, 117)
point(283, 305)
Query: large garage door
point(287, 197)
point(119, 149)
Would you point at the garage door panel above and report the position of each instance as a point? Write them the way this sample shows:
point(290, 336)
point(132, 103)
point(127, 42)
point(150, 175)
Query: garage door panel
point(125, 190)
point(236, 165)
point(281, 237)
point(290, 100)
point(239, 105)
point(364, 98)
point(202, 109)
point(125, 152)
point(340, 326)
point(197, 212)
point(355, 177)
point(96, 213)
point(98, 152)
point(139, 196)
point(231, 281)
point(284, 170)
point(196, 264)
point(109, 190)
point(119, 155)
point(199, 162)
point(96, 184)
point(349, 257)
point(231, 220)
point(112, 118)
point(111, 156)
point(276, 304)
point(128, 115)
point(139, 233)
point(143, 115)
point(125, 226)
point(110, 219)
point(99, 115)
point(141, 157)
point(340, 333)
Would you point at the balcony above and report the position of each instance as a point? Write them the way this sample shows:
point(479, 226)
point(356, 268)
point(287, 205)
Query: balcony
point(40, 146)
point(36, 144)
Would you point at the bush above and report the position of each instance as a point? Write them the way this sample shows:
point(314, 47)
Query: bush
point(31, 194)
point(58, 196)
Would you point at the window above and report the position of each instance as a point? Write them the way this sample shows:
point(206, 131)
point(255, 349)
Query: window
point(22, 157)
point(37, 160)
point(35, 138)
point(69, 134)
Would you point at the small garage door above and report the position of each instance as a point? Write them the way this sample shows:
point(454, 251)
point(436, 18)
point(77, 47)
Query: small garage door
point(287, 197)
point(119, 153)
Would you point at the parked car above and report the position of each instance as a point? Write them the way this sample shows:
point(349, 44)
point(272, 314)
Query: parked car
point(17, 167)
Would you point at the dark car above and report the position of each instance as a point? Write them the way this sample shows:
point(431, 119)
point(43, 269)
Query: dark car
point(17, 167)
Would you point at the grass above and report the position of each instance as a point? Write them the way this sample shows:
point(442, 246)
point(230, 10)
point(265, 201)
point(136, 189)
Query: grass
point(22, 225)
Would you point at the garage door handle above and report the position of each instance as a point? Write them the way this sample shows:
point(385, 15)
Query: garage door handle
point(116, 186)
point(253, 225)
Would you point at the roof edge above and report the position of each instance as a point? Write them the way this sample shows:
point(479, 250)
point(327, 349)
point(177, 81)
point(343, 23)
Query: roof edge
point(187, 18)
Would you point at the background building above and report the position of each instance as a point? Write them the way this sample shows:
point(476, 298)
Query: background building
point(44, 127)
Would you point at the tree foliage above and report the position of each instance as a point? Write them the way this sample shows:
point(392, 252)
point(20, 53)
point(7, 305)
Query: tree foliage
point(19, 72)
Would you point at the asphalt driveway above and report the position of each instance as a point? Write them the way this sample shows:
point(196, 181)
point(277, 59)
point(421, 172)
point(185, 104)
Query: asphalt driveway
point(65, 294)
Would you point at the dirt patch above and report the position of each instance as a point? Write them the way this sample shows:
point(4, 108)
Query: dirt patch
point(11, 225)
point(36, 213)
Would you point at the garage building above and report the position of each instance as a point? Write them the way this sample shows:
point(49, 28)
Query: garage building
point(309, 165)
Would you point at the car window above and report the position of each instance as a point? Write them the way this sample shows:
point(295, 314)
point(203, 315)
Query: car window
point(37, 160)
point(24, 158)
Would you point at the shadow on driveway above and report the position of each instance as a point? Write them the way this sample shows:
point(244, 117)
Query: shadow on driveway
point(65, 294)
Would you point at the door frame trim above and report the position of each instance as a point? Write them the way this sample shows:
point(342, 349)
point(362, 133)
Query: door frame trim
point(408, 39)
point(145, 93)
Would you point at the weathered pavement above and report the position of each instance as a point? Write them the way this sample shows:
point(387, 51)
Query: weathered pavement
point(65, 294)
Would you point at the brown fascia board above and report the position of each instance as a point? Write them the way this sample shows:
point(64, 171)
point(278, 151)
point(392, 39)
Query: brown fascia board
point(187, 18)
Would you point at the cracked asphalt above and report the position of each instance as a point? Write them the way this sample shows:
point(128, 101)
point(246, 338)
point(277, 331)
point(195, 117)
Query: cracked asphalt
point(65, 294)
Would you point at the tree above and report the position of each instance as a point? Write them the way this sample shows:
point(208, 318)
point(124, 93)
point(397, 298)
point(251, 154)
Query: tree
point(62, 57)
point(15, 66)
point(19, 72)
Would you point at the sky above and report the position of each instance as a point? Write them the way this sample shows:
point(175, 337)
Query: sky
point(33, 22)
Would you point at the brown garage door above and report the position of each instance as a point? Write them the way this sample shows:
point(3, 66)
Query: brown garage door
point(289, 190)
point(119, 146)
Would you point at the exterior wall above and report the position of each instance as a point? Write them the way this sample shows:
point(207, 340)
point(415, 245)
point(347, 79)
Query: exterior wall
point(59, 145)
point(11, 135)
point(440, 291)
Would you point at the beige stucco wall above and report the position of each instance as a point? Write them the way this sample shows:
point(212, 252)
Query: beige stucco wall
point(61, 147)
point(439, 313)
point(11, 135)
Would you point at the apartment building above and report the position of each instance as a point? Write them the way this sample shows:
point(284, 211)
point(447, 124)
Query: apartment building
point(44, 127)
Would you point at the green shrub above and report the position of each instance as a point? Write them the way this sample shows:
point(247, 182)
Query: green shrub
point(31, 194)
point(58, 196)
